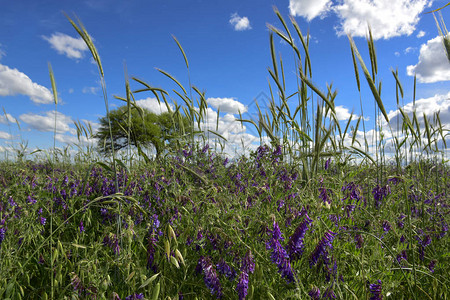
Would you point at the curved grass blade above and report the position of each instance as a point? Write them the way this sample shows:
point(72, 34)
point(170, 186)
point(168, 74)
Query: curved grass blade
point(371, 83)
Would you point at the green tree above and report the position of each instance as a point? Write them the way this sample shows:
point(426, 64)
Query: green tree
point(143, 128)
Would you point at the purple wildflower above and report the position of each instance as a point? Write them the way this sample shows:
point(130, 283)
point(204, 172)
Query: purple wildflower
point(248, 264)
point(2, 234)
point(400, 223)
point(225, 269)
point(386, 226)
point(327, 164)
point(81, 227)
point(205, 148)
point(210, 276)
point(323, 194)
point(329, 293)
point(277, 151)
point(375, 289)
point(321, 250)
point(402, 256)
point(432, 265)
point(314, 293)
point(295, 245)
point(242, 286)
point(31, 200)
point(379, 193)
point(359, 240)
point(151, 249)
point(42, 220)
point(135, 297)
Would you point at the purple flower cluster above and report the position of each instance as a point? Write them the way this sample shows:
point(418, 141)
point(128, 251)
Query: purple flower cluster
point(279, 255)
point(379, 193)
point(321, 250)
point(375, 290)
point(112, 241)
point(242, 286)
point(402, 256)
point(314, 293)
point(225, 269)
point(295, 245)
point(135, 296)
point(210, 276)
point(2, 234)
point(151, 249)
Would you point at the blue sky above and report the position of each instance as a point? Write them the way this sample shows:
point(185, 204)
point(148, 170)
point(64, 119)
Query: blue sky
point(227, 45)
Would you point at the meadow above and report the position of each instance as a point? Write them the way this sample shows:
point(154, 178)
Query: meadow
point(312, 213)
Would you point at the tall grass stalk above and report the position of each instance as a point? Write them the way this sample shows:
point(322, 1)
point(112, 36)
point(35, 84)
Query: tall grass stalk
point(55, 99)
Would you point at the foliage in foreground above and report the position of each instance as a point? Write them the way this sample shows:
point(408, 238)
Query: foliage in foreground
point(200, 226)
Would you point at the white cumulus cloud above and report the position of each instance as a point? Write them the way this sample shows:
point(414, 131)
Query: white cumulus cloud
point(387, 18)
point(343, 114)
point(227, 105)
point(13, 82)
point(65, 44)
point(152, 105)
point(240, 23)
point(433, 65)
point(429, 106)
point(46, 122)
point(309, 9)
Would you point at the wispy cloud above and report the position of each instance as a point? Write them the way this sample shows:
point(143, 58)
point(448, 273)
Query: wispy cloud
point(46, 122)
point(227, 105)
point(5, 135)
point(240, 23)
point(410, 49)
point(309, 9)
point(64, 44)
point(2, 52)
point(433, 65)
point(13, 82)
point(8, 118)
point(90, 90)
point(420, 34)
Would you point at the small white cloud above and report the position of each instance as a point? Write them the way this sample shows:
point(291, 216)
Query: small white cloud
point(227, 105)
point(410, 49)
point(71, 90)
point(420, 34)
point(46, 123)
point(90, 90)
point(309, 9)
point(152, 105)
point(397, 53)
point(64, 44)
point(433, 65)
point(387, 18)
point(13, 82)
point(239, 23)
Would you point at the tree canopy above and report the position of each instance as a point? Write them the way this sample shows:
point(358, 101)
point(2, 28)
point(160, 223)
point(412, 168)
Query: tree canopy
point(140, 127)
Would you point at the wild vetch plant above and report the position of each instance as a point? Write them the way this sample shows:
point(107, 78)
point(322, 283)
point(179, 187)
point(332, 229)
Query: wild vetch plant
point(316, 214)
